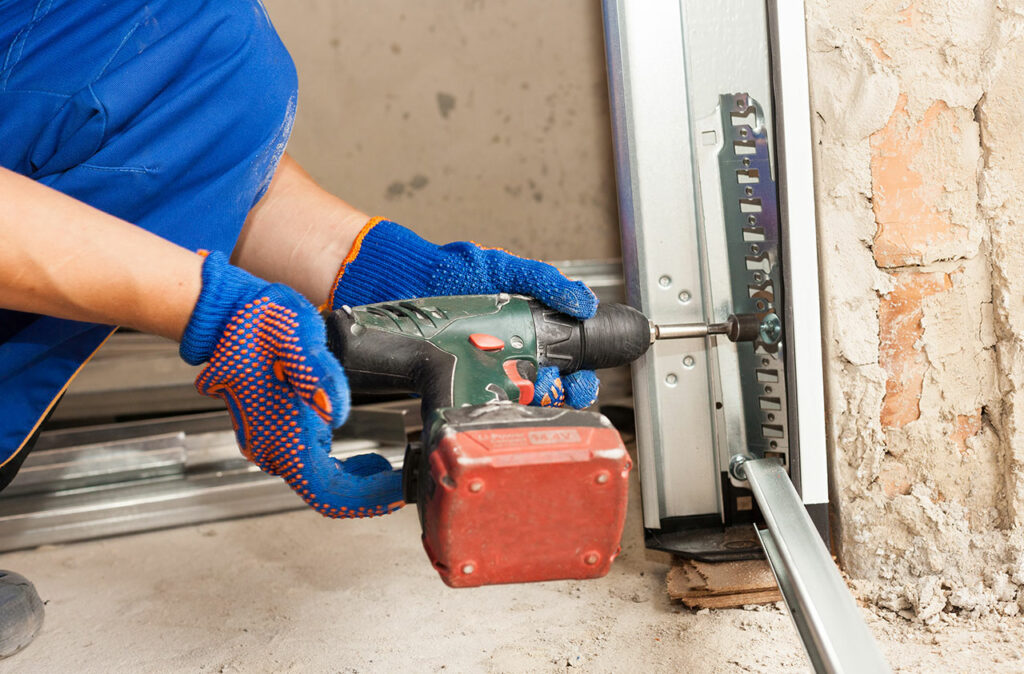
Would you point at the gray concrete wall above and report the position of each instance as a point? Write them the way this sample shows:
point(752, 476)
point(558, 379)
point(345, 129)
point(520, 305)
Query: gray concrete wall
point(483, 120)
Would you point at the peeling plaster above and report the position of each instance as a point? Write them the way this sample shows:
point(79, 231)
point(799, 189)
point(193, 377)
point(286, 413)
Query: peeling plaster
point(918, 137)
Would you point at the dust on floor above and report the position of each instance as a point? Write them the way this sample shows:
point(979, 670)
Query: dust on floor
point(296, 592)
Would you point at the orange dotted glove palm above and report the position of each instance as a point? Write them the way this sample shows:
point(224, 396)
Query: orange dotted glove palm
point(268, 360)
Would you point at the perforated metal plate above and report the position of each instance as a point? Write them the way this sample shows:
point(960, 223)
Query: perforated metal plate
point(704, 236)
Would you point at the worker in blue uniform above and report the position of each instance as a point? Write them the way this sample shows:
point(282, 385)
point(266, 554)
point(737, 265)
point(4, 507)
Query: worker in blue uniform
point(144, 183)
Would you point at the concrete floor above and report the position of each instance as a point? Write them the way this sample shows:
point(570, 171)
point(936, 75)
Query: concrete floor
point(296, 592)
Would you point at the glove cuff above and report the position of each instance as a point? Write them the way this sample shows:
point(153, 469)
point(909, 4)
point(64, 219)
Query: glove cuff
point(386, 262)
point(225, 288)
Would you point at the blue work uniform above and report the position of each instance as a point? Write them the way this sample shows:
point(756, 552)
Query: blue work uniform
point(170, 114)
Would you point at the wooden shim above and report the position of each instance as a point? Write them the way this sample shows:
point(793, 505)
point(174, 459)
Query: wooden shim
point(733, 600)
point(723, 584)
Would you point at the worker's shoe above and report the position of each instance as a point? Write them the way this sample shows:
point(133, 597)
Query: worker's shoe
point(21, 613)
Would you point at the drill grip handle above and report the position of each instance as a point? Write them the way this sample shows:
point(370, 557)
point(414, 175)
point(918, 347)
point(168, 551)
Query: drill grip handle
point(385, 362)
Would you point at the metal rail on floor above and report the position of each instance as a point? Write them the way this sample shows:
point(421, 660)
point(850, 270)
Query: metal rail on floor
point(828, 620)
point(85, 483)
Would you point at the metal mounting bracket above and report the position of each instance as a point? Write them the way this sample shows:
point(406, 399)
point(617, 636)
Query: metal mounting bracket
point(716, 194)
point(710, 112)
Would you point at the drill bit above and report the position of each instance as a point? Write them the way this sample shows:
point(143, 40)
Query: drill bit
point(738, 328)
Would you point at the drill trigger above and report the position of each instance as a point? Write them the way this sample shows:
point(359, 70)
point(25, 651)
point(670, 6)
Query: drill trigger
point(525, 386)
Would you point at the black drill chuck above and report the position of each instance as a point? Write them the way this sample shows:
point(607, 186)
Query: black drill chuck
point(616, 335)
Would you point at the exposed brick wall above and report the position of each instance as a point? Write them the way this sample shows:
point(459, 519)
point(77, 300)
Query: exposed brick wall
point(900, 330)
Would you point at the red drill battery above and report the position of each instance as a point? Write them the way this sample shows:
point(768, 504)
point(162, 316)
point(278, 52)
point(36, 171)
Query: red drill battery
point(512, 494)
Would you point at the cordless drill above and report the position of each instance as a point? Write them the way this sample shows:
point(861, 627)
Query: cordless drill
point(506, 493)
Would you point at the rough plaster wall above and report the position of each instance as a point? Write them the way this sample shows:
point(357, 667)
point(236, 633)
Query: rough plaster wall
point(917, 122)
point(479, 119)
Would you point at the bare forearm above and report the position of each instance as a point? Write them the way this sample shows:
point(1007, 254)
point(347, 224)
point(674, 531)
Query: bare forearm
point(64, 258)
point(298, 234)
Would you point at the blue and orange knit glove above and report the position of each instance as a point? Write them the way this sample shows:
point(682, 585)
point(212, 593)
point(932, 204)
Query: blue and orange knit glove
point(268, 360)
point(389, 262)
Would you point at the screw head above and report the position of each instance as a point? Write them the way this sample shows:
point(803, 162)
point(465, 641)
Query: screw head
point(770, 330)
point(468, 569)
point(685, 296)
point(665, 281)
point(671, 379)
point(475, 486)
point(601, 478)
point(516, 342)
point(591, 558)
point(688, 361)
point(736, 466)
